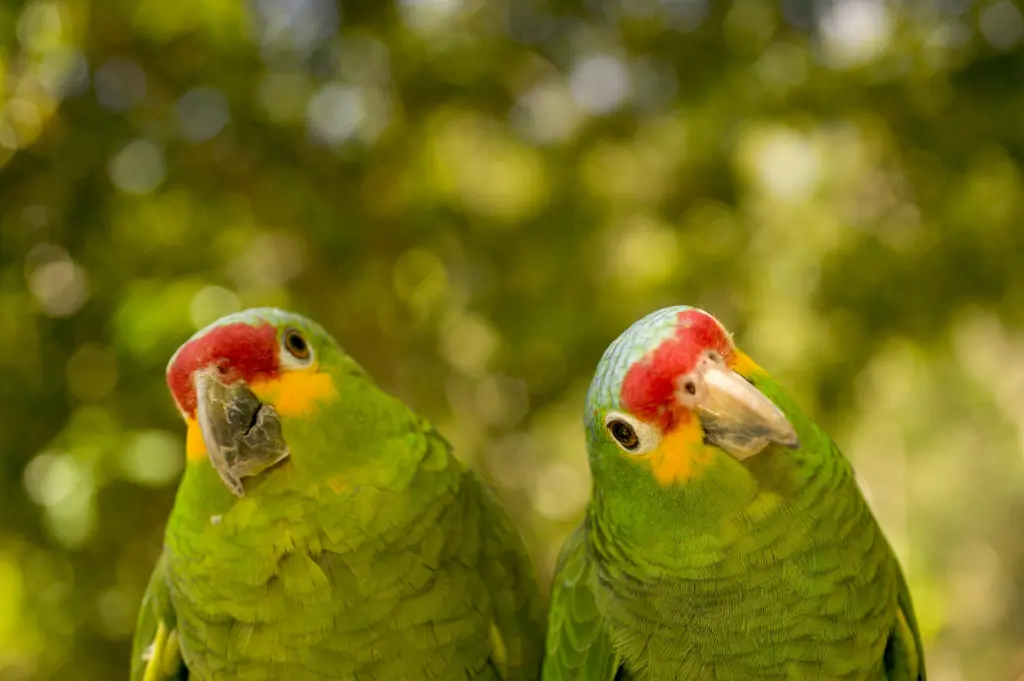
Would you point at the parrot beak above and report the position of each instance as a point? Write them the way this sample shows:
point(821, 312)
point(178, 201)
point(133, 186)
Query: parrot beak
point(735, 415)
point(242, 435)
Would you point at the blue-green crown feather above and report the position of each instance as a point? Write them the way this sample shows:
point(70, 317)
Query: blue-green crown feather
point(631, 345)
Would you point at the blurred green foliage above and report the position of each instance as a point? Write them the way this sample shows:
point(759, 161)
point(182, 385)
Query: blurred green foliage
point(476, 196)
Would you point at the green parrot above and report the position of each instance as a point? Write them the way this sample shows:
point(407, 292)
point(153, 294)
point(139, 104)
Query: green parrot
point(322, 530)
point(726, 538)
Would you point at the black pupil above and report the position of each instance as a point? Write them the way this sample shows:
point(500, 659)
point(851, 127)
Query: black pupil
point(624, 433)
point(297, 344)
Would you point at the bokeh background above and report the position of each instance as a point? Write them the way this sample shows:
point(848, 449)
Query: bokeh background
point(476, 196)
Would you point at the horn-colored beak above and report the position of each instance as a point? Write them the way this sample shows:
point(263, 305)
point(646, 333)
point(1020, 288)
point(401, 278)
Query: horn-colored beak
point(736, 416)
point(242, 434)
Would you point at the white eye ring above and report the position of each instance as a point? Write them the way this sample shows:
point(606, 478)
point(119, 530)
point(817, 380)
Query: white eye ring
point(632, 435)
point(296, 351)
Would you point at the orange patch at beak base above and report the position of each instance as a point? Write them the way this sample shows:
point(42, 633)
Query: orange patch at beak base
point(195, 447)
point(743, 365)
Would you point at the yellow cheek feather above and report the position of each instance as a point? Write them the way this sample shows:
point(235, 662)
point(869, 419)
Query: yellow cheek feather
point(680, 456)
point(195, 448)
point(296, 393)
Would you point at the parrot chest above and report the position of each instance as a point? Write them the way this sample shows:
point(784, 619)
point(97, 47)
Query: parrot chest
point(328, 595)
point(821, 612)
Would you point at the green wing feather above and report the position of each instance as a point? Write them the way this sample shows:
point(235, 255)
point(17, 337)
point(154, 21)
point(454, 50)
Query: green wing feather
point(904, 655)
point(155, 652)
point(517, 633)
point(578, 646)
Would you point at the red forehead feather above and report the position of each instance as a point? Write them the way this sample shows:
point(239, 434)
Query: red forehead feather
point(241, 351)
point(649, 387)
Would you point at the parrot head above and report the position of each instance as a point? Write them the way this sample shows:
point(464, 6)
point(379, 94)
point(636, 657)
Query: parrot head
point(672, 398)
point(254, 386)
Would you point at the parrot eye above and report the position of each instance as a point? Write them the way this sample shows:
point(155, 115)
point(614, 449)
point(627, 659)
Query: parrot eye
point(624, 434)
point(630, 434)
point(297, 346)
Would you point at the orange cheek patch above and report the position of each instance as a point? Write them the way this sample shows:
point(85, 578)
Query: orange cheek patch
point(681, 454)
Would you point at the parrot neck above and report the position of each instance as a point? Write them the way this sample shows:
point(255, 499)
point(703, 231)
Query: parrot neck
point(669, 522)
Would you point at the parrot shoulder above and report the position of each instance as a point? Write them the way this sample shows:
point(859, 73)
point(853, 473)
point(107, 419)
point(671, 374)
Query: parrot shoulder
point(578, 645)
point(156, 655)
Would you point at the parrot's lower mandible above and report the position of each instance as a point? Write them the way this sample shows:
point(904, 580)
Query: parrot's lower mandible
point(322, 530)
point(726, 537)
